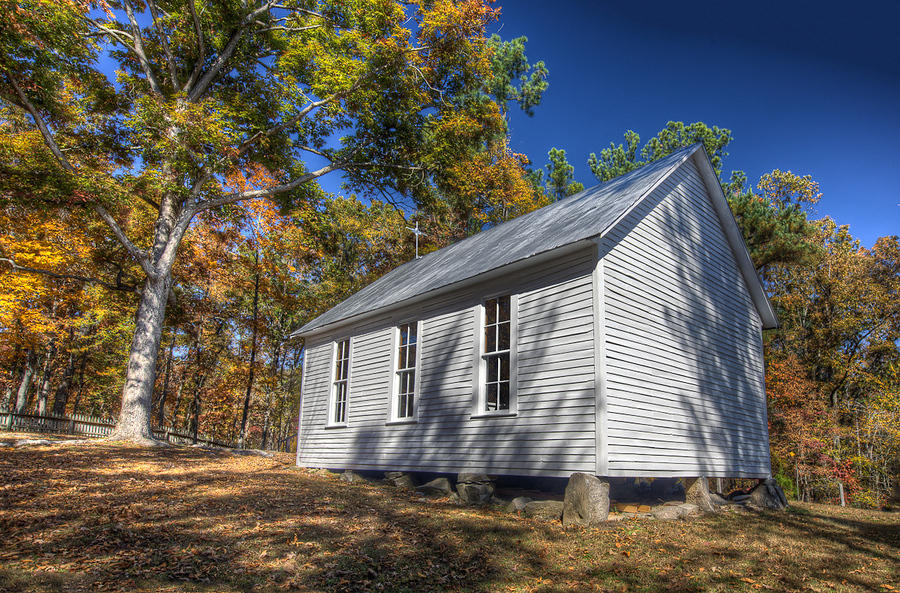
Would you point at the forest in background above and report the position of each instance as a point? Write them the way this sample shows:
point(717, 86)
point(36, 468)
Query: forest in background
point(251, 269)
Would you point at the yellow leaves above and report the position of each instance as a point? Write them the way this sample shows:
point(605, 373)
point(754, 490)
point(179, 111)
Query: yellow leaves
point(495, 180)
point(784, 187)
point(45, 241)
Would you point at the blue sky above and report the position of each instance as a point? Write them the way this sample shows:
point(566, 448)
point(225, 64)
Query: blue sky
point(803, 87)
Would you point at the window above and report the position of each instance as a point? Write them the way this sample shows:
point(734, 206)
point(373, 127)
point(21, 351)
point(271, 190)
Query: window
point(340, 383)
point(497, 357)
point(404, 399)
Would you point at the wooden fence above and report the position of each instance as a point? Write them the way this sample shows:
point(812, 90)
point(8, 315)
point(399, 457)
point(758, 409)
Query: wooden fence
point(92, 426)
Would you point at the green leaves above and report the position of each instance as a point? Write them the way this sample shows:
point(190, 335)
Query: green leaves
point(620, 159)
point(775, 222)
point(514, 79)
point(560, 178)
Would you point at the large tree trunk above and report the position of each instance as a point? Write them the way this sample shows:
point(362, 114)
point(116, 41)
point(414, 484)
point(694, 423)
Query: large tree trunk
point(62, 393)
point(27, 380)
point(137, 394)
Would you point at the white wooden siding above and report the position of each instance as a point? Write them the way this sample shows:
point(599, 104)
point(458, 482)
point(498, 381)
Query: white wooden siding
point(683, 362)
point(553, 433)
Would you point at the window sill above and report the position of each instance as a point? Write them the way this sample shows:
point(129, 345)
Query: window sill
point(503, 414)
point(403, 421)
point(330, 426)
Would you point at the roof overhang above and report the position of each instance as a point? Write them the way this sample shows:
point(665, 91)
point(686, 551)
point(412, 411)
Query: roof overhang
point(461, 285)
point(736, 240)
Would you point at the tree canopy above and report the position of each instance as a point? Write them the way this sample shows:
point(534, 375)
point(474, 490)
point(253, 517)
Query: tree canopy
point(213, 105)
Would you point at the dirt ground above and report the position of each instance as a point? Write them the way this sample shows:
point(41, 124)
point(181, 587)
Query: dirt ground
point(99, 516)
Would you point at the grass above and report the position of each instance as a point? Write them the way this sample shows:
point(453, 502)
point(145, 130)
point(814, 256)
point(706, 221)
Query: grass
point(98, 516)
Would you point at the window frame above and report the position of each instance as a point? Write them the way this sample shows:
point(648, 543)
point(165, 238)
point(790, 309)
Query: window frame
point(480, 366)
point(393, 400)
point(330, 422)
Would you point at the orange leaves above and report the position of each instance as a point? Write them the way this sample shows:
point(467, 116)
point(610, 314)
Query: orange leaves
point(253, 176)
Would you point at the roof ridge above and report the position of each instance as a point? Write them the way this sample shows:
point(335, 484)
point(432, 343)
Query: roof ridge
point(599, 207)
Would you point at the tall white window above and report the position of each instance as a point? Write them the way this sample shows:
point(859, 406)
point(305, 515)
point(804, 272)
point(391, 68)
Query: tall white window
point(407, 356)
point(340, 384)
point(497, 372)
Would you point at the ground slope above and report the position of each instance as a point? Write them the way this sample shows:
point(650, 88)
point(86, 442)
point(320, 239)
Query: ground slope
point(98, 516)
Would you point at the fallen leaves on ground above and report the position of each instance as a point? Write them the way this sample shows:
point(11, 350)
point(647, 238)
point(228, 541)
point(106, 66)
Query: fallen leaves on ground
point(102, 516)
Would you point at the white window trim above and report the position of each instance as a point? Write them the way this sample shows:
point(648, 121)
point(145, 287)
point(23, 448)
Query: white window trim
point(393, 396)
point(479, 370)
point(329, 421)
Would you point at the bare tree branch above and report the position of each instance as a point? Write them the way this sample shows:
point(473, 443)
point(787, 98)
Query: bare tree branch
point(164, 40)
point(248, 143)
point(312, 150)
point(139, 256)
point(136, 253)
point(200, 87)
point(125, 39)
point(286, 28)
point(139, 49)
point(117, 286)
point(198, 67)
point(260, 193)
point(148, 201)
point(41, 124)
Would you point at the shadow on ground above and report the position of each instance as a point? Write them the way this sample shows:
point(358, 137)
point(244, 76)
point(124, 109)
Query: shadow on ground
point(106, 517)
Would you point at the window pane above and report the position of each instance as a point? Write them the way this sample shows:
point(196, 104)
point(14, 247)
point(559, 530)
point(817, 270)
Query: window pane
point(504, 313)
point(491, 397)
point(503, 336)
point(490, 312)
point(409, 405)
point(412, 332)
point(503, 362)
point(411, 356)
point(490, 338)
point(401, 406)
point(345, 371)
point(503, 397)
point(492, 367)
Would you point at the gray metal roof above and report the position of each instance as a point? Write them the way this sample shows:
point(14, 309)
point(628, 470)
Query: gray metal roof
point(581, 216)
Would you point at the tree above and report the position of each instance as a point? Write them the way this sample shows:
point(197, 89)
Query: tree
point(840, 326)
point(510, 67)
point(218, 104)
point(775, 222)
point(560, 179)
point(618, 160)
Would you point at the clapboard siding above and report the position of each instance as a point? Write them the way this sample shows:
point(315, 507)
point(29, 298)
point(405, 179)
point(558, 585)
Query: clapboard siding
point(683, 355)
point(553, 433)
point(679, 370)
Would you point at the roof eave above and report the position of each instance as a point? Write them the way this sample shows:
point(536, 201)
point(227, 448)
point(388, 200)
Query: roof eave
point(515, 266)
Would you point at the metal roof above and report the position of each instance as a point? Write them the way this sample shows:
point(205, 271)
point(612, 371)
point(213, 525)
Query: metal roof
point(581, 216)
